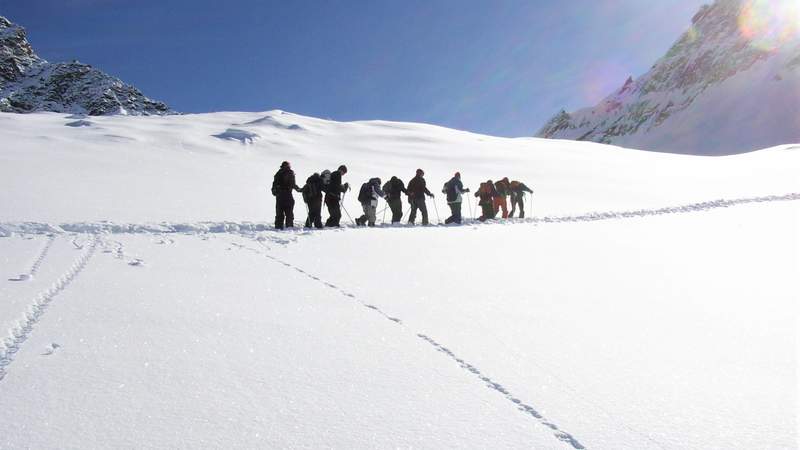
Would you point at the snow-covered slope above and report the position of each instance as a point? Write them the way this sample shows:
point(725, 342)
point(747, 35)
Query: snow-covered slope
point(649, 302)
point(728, 85)
point(29, 83)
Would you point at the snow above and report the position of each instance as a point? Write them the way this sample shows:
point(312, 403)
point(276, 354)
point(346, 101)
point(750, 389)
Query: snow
point(649, 300)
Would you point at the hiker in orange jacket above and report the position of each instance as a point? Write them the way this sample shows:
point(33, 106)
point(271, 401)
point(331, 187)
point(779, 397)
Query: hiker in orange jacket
point(486, 193)
point(503, 188)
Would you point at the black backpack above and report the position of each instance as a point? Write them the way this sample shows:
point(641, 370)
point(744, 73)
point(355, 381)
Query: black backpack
point(450, 190)
point(313, 188)
point(365, 194)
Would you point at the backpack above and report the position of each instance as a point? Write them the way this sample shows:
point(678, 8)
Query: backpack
point(312, 188)
point(515, 185)
point(325, 177)
point(365, 194)
point(387, 188)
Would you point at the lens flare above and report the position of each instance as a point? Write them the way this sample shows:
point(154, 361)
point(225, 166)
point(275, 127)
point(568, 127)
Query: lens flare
point(769, 24)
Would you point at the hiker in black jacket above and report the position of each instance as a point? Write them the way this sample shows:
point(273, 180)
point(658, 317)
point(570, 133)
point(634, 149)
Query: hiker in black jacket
point(393, 188)
point(454, 188)
point(417, 190)
point(517, 190)
point(312, 195)
point(333, 196)
point(282, 186)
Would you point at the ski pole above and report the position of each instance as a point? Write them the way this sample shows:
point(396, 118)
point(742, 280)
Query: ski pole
point(435, 208)
point(383, 219)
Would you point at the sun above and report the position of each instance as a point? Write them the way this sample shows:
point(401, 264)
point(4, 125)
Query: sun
point(770, 24)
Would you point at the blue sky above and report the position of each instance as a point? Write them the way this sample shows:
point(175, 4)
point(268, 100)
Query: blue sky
point(499, 67)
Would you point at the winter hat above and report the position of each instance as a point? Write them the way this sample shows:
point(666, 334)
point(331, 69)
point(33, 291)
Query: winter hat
point(420, 172)
point(285, 165)
point(343, 168)
point(458, 175)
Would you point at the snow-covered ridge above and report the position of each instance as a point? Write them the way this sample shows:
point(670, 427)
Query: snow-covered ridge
point(28, 83)
point(716, 91)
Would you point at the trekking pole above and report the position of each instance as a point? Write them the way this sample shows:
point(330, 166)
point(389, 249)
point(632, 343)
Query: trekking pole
point(436, 208)
point(383, 219)
point(469, 204)
point(341, 204)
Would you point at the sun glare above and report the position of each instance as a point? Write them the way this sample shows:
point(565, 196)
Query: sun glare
point(769, 24)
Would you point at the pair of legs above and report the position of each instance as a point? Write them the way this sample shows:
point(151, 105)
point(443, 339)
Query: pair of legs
point(418, 204)
point(334, 210)
point(284, 210)
point(517, 200)
point(455, 210)
point(314, 213)
point(500, 203)
point(368, 218)
point(488, 211)
point(396, 206)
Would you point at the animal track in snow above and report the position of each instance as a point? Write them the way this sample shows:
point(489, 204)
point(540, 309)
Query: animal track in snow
point(24, 327)
point(488, 382)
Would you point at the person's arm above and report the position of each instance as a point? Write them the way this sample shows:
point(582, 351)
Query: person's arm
point(294, 183)
point(403, 188)
point(425, 189)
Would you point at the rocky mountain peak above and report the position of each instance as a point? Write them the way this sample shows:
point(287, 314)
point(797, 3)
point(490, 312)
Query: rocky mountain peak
point(732, 50)
point(28, 83)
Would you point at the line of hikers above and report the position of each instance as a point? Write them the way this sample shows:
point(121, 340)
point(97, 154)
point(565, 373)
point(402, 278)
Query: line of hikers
point(328, 185)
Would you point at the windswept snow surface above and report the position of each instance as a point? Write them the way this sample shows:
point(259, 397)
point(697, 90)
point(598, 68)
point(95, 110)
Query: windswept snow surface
point(649, 302)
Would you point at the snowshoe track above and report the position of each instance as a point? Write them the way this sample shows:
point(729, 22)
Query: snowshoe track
point(20, 333)
point(9, 228)
point(37, 263)
point(488, 382)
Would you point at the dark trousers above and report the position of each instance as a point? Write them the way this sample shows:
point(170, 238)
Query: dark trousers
point(396, 205)
point(334, 210)
point(418, 204)
point(284, 210)
point(455, 209)
point(488, 211)
point(517, 200)
point(314, 213)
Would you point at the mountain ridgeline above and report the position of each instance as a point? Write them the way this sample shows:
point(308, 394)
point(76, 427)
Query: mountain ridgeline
point(729, 85)
point(28, 83)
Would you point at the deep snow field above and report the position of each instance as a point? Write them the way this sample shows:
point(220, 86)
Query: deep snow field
point(650, 301)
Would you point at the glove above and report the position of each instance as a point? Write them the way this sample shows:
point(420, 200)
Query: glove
point(346, 186)
point(430, 195)
point(466, 190)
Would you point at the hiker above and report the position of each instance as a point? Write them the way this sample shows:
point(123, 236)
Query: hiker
point(368, 196)
point(393, 188)
point(454, 188)
point(312, 195)
point(502, 187)
point(417, 191)
point(282, 186)
point(517, 190)
point(334, 190)
point(486, 195)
